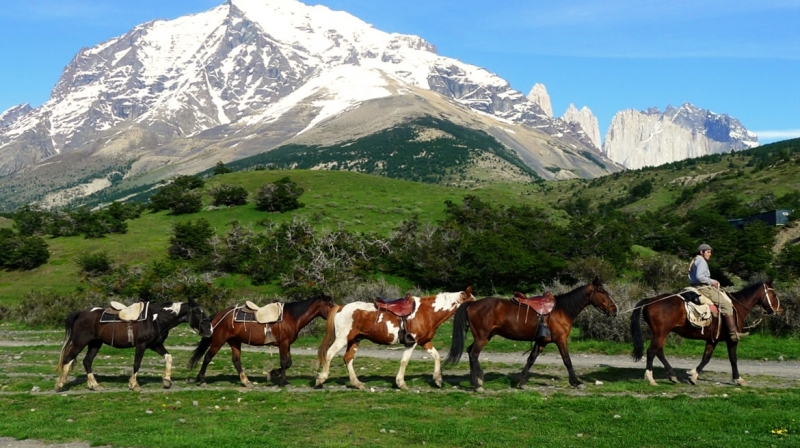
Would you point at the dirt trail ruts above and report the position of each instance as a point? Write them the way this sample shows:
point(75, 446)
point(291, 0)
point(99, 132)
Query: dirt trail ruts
point(783, 369)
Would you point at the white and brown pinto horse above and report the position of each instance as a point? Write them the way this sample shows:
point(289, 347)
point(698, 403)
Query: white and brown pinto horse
point(350, 324)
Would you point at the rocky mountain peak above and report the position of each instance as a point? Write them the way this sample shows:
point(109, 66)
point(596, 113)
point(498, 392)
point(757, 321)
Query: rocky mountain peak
point(538, 95)
point(587, 121)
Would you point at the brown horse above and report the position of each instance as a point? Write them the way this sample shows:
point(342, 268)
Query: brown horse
point(497, 316)
point(84, 328)
point(296, 315)
point(360, 320)
point(666, 312)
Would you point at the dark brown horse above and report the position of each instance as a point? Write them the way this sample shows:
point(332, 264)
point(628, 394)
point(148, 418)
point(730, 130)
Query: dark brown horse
point(666, 312)
point(360, 320)
point(84, 328)
point(296, 315)
point(494, 316)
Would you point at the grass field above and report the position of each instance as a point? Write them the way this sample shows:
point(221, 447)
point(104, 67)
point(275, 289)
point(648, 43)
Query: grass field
point(622, 411)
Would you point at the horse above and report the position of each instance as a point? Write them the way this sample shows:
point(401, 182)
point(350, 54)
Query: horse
point(666, 312)
point(225, 329)
point(356, 321)
point(85, 328)
point(497, 316)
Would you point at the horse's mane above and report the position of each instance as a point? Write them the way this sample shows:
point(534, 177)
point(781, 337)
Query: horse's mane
point(572, 302)
point(299, 308)
point(748, 290)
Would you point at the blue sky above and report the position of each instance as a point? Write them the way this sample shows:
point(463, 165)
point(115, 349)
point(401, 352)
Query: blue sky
point(731, 56)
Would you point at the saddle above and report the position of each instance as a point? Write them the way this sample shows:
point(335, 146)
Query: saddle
point(700, 310)
point(118, 312)
point(543, 304)
point(266, 314)
point(402, 308)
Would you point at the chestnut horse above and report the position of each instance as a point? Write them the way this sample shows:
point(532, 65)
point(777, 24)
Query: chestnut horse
point(493, 316)
point(666, 312)
point(360, 320)
point(296, 315)
point(84, 328)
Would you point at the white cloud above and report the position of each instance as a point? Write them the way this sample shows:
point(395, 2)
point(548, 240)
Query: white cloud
point(778, 134)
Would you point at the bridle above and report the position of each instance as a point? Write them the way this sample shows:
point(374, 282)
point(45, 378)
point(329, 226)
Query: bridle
point(766, 295)
point(192, 310)
point(594, 290)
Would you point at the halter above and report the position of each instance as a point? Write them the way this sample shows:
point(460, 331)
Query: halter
point(594, 290)
point(202, 319)
point(766, 294)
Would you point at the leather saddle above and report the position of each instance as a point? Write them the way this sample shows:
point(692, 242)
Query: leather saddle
point(119, 312)
point(267, 314)
point(403, 307)
point(543, 305)
point(695, 297)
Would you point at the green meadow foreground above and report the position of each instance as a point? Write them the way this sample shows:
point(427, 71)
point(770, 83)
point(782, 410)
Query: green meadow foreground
point(617, 407)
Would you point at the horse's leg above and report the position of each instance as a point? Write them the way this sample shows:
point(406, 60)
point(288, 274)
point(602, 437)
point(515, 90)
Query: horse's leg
point(732, 346)
point(656, 346)
point(236, 356)
point(286, 361)
point(400, 379)
point(349, 357)
point(74, 350)
point(562, 348)
point(475, 371)
point(437, 363)
point(670, 370)
point(133, 384)
point(94, 347)
point(216, 344)
point(535, 352)
point(162, 351)
point(709, 350)
point(338, 344)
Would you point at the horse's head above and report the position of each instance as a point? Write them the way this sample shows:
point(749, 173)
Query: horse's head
point(199, 320)
point(327, 305)
point(770, 301)
point(601, 299)
point(466, 295)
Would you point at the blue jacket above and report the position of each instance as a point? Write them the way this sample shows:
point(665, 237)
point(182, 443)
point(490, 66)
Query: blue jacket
point(699, 272)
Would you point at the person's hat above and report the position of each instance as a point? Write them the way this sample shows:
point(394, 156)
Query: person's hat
point(703, 247)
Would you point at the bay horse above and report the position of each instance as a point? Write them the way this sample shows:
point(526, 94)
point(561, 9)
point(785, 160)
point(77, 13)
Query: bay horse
point(495, 316)
point(84, 328)
point(225, 329)
point(357, 321)
point(666, 313)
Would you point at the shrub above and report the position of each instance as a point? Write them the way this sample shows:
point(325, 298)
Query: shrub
point(94, 264)
point(586, 269)
point(663, 273)
point(50, 309)
point(788, 323)
point(21, 251)
point(191, 240)
point(228, 195)
point(180, 197)
point(280, 196)
point(220, 168)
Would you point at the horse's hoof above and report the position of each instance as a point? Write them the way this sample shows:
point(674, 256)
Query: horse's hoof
point(135, 388)
point(438, 383)
point(579, 386)
point(319, 386)
point(740, 382)
point(167, 384)
point(202, 384)
point(674, 379)
point(60, 388)
point(404, 388)
point(247, 385)
point(480, 389)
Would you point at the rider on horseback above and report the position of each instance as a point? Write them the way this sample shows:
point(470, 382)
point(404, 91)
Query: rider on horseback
point(700, 278)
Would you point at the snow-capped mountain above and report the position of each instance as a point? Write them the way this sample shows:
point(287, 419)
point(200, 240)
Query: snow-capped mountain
point(264, 71)
point(650, 138)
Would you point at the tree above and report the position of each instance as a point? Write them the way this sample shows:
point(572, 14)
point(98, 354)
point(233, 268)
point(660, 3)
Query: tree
point(191, 240)
point(220, 168)
point(228, 195)
point(279, 196)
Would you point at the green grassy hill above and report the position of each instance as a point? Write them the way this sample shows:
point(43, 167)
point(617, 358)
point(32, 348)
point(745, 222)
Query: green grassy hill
point(366, 203)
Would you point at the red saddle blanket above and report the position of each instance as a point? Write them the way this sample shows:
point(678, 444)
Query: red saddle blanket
point(400, 307)
point(543, 304)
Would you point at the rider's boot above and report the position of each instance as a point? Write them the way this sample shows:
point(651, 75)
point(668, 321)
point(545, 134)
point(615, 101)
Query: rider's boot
point(730, 322)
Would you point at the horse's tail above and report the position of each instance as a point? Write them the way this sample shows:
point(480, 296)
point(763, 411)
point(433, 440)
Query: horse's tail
point(636, 331)
point(67, 345)
point(330, 335)
point(200, 351)
point(460, 326)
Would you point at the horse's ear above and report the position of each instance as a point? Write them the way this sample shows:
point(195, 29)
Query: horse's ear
point(597, 281)
point(769, 282)
point(468, 290)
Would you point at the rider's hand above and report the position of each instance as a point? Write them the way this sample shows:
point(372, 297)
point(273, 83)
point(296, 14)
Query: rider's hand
point(716, 284)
